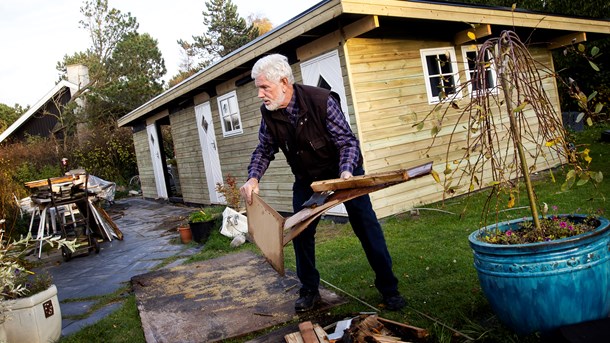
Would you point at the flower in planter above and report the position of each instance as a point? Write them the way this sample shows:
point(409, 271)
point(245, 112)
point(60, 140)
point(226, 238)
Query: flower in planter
point(201, 216)
point(551, 228)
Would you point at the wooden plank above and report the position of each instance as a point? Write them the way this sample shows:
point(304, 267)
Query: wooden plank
point(360, 181)
point(296, 337)
point(335, 38)
point(572, 38)
point(45, 182)
point(307, 333)
point(414, 330)
point(479, 31)
point(371, 179)
point(265, 227)
point(442, 12)
point(106, 217)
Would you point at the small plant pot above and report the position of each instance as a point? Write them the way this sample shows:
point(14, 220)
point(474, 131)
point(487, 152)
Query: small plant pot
point(186, 236)
point(201, 231)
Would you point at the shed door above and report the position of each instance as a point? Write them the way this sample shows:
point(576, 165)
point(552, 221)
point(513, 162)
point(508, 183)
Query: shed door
point(157, 163)
point(325, 71)
point(207, 139)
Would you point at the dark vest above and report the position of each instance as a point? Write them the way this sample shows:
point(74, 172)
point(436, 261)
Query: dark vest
point(309, 149)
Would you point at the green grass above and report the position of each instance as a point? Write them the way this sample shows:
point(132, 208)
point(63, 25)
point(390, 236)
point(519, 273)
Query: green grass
point(431, 258)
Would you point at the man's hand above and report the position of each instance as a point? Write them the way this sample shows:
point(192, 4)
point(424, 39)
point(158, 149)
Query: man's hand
point(346, 175)
point(246, 190)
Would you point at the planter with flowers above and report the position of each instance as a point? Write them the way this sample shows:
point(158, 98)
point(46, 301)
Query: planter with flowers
point(545, 271)
point(29, 308)
point(201, 223)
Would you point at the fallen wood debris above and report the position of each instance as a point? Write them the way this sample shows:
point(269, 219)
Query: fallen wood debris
point(365, 328)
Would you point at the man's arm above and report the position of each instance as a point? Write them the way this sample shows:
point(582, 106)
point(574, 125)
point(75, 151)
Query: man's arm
point(343, 138)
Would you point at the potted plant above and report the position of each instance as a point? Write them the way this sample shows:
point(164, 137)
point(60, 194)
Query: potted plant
point(201, 224)
point(545, 271)
point(29, 308)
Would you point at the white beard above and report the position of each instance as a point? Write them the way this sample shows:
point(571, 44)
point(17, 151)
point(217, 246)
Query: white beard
point(275, 104)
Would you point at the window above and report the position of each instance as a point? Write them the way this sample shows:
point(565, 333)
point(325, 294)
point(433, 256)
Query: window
point(229, 114)
point(469, 53)
point(440, 71)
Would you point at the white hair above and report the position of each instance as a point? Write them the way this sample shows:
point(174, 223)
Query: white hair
point(274, 67)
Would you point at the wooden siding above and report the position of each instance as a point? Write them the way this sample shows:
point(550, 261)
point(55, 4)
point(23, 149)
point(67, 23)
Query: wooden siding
point(389, 90)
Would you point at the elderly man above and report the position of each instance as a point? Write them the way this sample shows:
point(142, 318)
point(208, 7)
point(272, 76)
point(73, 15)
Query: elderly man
point(307, 124)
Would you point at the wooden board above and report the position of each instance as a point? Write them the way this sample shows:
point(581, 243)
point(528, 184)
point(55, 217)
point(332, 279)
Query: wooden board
point(218, 299)
point(45, 182)
point(375, 179)
point(265, 227)
point(317, 334)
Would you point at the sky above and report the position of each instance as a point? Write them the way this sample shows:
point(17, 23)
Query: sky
point(36, 34)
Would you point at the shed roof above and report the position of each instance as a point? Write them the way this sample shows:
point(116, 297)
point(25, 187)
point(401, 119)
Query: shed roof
point(59, 87)
point(330, 15)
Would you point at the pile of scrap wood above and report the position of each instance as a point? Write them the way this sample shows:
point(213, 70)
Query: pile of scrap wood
point(363, 328)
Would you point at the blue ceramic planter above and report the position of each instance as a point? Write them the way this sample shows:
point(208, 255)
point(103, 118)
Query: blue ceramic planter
point(539, 287)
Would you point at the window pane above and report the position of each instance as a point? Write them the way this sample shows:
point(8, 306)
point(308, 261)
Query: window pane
point(445, 63)
point(435, 84)
point(227, 122)
point(490, 79)
point(471, 56)
point(432, 65)
point(449, 87)
point(235, 119)
point(233, 104)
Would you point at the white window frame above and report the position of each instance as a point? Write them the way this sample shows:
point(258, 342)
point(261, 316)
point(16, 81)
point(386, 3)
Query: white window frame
point(492, 68)
point(228, 102)
point(450, 52)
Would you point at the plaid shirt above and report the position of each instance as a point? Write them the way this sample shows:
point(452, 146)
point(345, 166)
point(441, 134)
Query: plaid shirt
point(336, 124)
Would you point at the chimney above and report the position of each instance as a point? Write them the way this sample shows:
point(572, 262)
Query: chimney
point(78, 74)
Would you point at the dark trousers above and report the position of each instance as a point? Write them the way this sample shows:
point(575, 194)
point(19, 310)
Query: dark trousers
point(366, 227)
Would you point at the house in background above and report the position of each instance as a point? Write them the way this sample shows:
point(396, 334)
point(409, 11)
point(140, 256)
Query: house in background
point(42, 119)
point(386, 59)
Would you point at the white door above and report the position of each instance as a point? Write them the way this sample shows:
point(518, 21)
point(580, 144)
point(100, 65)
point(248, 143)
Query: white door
point(155, 154)
point(207, 140)
point(325, 71)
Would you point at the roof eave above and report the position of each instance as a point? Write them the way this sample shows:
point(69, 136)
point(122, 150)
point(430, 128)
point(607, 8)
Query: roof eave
point(24, 117)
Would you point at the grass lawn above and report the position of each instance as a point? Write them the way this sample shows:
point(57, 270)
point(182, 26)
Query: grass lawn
point(431, 258)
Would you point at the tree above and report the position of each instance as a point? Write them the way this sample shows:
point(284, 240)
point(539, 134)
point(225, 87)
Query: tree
point(133, 75)
point(226, 32)
point(263, 24)
point(8, 115)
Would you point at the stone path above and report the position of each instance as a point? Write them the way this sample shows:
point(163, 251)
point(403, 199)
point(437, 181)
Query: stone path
point(149, 238)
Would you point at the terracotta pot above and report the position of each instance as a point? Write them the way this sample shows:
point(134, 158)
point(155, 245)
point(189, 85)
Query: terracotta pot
point(185, 234)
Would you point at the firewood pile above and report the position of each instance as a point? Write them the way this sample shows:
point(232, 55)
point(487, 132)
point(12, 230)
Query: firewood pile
point(365, 328)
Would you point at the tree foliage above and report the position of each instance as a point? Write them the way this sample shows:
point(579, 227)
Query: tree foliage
point(8, 115)
point(226, 32)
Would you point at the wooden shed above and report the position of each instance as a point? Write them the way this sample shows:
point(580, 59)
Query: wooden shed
point(376, 54)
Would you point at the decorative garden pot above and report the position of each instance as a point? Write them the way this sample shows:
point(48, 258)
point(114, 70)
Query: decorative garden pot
point(201, 230)
point(35, 319)
point(539, 287)
point(185, 234)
